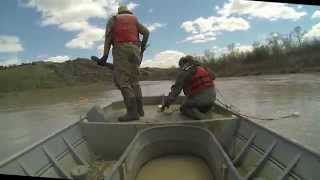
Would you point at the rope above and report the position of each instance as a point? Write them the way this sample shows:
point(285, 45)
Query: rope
point(229, 107)
point(224, 100)
point(234, 109)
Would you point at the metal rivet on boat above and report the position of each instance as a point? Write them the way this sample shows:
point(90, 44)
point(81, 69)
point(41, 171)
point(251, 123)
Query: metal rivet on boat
point(296, 114)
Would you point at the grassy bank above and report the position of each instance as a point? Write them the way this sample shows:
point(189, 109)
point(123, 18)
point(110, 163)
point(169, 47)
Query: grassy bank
point(79, 72)
point(42, 75)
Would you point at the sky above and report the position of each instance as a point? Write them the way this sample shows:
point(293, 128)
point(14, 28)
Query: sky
point(59, 30)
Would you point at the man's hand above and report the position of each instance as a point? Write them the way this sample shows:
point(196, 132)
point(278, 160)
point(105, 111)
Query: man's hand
point(164, 106)
point(100, 62)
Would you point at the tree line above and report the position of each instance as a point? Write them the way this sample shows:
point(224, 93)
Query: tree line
point(278, 52)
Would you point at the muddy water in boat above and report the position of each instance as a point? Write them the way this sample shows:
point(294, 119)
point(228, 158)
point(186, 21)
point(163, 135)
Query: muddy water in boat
point(175, 167)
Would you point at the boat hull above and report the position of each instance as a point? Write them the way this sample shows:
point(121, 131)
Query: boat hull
point(252, 150)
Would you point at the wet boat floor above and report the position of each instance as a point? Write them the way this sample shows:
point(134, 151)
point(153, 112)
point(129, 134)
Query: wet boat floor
point(153, 114)
point(97, 169)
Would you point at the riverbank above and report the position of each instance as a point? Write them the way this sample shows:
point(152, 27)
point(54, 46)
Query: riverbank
point(275, 55)
point(78, 72)
point(43, 97)
point(83, 72)
point(253, 71)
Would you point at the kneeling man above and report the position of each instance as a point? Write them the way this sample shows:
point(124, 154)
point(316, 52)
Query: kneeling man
point(197, 83)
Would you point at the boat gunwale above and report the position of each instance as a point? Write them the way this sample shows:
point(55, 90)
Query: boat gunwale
point(273, 160)
point(159, 122)
point(37, 143)
point(282, 137)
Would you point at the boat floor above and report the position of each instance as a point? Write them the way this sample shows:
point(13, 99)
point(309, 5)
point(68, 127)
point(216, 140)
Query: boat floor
point(97, 168)
point(152, 114)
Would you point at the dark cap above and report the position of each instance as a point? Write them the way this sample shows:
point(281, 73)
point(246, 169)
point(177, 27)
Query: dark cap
point(186, 59)
point(123, 9)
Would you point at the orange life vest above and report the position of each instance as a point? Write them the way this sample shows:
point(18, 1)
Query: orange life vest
point(201, 80)
point(125, 29)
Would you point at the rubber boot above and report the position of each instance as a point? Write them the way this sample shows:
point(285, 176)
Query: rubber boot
point(140, 106)
point(193, 113)
point(138, 94)
point(206, 109)
point(132, 113)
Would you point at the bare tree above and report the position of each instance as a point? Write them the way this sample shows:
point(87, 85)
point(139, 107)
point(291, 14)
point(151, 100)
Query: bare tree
point(286, 41)
point(274, 42)
point(231, 48)
point(209, 55)
point(298, 33)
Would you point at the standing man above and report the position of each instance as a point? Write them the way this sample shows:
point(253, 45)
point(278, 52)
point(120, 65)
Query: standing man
point(197, 83)
point(122, 32)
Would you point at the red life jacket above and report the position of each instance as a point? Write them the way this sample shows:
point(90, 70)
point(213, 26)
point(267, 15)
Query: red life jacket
point(201, 80)
point(125, 29)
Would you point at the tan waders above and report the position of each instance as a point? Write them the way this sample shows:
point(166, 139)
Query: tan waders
point(130, 103)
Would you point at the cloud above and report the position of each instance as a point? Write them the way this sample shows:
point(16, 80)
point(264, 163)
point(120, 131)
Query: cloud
point(219, 51)
point(316, 14)
point(205, 29)
point(154, 26)
point(201, 38)
point(60, 12)
point(215, 24)
point(264, 10)
point(10, 61)
point(164, 59)
point(132, 5)
point(314, 33)
point(243, 48)
point(10, 44)
point(74, 15)
point(57, 59)
point(87, 38)
point(100, 49)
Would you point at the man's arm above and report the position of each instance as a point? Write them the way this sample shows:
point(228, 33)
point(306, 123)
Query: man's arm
point(108, 38)
point(184, 77)
point(145, 33)
point(211, 73)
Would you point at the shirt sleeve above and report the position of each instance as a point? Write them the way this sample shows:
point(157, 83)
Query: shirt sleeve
point(108, 37)
point(183, 78)
point(211, 73)
point(145, 33)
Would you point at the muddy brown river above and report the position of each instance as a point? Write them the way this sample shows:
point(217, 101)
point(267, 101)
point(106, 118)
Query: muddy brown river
point(28, 117)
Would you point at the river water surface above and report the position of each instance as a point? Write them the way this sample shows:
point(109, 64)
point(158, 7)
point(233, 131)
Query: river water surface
point(28, 117)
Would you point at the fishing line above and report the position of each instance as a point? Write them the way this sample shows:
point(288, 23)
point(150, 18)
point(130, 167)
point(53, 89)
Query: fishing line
point(234, 109)
point(229, 107)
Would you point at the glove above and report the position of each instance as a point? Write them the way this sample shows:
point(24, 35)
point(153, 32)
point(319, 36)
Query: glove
point(143, 48)
point(101, 62)
point(165, 106)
